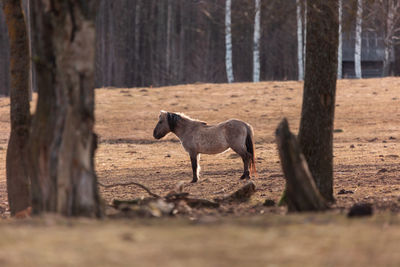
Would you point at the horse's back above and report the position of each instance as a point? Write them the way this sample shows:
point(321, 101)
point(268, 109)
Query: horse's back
point(236, 126)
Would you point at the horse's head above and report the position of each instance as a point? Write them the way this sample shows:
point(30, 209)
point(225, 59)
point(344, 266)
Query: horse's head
point(166, 123)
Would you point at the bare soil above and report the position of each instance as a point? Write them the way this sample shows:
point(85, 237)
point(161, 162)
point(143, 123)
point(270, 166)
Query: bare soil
point(366, 140)
point(366, 169)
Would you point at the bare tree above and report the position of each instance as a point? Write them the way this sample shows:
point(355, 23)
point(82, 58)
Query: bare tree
point(17, 156)
point(358, 46)
point(62, 142)
point(340, 42)
point(256, 41)
point(300, 61)
point(387, 20)
point(4, 56)
point(318, 109)
point(228, 42)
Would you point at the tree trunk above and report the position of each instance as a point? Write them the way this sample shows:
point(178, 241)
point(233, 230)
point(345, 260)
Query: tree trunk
point(17, 156)
point(4, 56)
point(301, 193)
point(256, 42)
point(300, 64)
point(62, 140)
point(316, 124)
point(357, 50)
point(391, 8)
point(228, 42)
point(137, 42)
point(340, 43)
point(305, 33)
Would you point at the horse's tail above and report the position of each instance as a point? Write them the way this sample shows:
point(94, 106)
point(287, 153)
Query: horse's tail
point(251, 150)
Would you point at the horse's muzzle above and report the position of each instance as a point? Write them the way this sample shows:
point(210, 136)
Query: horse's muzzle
point(156, 136)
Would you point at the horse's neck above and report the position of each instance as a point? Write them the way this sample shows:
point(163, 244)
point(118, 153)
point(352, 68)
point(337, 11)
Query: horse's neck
point(183, 126)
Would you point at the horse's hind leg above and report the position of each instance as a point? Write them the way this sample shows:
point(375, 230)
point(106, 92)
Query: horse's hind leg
point(246, 157)
point(246, 163)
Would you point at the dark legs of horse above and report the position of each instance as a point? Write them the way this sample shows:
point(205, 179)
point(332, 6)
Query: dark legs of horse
point(246, 157)
point(193, 159)
point(246, 161)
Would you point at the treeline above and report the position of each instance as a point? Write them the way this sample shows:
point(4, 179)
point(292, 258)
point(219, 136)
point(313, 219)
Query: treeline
point(167, 42)
point(152, 42)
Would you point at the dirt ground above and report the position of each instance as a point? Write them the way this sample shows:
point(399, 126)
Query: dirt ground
point(366, 166)
point(366, 142)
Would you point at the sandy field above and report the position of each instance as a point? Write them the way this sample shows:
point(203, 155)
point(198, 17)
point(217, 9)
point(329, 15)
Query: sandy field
point(366, 166)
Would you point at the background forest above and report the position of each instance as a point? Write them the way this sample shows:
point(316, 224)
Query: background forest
point(157, 43)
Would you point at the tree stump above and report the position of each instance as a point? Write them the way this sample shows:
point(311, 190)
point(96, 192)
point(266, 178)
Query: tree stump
point(301, 193)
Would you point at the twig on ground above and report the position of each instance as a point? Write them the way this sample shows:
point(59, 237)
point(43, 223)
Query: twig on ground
point(131, 183)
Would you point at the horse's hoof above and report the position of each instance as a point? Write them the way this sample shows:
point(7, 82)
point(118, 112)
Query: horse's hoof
point(244, 177)
point(194, 181)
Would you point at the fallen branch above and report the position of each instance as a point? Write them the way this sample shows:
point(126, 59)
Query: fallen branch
point(301, 193)
point(240, 195)
point(131, 183)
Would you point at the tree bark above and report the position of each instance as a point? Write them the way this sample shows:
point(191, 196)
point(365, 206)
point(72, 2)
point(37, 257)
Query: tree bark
point(390, 10)
point(228, 42)
point(300, 64)
point(4, 56)
point(301, 193)
point(340, 42)
point(317, 116)
point(256, 42)
point(17, 157)
point(357, 49)
point(305, 33)
point(62, 140)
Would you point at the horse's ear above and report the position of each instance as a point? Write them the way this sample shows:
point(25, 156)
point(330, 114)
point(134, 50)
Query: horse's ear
point(172, 119)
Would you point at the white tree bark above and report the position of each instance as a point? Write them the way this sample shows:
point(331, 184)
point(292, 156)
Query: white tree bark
point(340, 46)
point(228, 42)
point(300, 62)
point(357, 49)
point(256, 44)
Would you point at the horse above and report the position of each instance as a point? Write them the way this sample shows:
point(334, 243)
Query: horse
point(197, 137)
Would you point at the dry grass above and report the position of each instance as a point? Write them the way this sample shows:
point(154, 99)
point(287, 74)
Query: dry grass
point(296, 240)
point(366, 162)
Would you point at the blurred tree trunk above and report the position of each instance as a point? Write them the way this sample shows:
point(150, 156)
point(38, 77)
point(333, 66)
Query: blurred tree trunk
point(340, 42)
point(17, 155)
point(301, 193)
point(317, 117)
point(396, 63)
point(62, 140)
point(4, 56)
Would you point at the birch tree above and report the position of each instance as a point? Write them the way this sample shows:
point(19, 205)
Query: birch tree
point(300, 63)
point(228, 42)
point(340, 42)
point(256, 42)
point(357, 49)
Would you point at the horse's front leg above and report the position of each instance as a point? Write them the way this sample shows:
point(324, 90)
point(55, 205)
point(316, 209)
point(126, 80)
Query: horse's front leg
point(195, 166)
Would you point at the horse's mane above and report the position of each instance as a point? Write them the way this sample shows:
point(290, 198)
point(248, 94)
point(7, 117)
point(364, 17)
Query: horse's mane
point(184, 116)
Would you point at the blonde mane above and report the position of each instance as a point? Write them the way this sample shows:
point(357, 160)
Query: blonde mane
point(184, 116)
